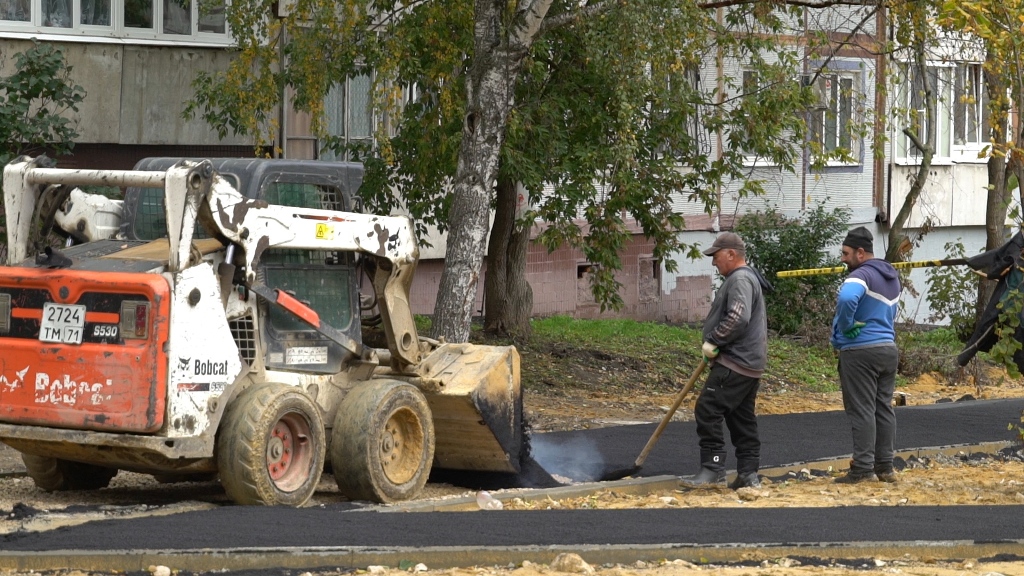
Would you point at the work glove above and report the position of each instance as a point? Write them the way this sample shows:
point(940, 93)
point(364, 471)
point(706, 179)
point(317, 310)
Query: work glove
point(852, 333)
point(709, 350)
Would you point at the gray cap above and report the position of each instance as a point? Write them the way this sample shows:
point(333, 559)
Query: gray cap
point(727, 240)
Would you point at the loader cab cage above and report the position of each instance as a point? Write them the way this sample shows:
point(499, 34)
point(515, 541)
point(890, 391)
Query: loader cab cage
point(322, 277)
point(287, 181)
point(325, 280)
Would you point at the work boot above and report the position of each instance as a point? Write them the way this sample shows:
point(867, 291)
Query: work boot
point(748, 480)
point(706, 477)
point(857, 476)
point(886, 475)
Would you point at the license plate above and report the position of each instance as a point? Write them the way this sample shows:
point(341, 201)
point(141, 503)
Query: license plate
point(62, 323)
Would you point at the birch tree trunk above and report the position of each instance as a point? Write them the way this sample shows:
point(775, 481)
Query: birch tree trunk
point(497, 59)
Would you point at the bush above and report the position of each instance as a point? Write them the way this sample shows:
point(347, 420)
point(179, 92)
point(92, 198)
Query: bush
point(799, 306)
point(952, 294)
point(924, 351)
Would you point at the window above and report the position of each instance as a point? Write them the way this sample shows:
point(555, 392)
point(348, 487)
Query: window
point(682, 87)
point(95, 13)
point(15, 10)
point(915, 100)
point(961, 111)
point(748, 88)
point(832, 122)
point(57, 13)
point(350, 121)
point(172, 21)
point(970, 107)
point(323, 278)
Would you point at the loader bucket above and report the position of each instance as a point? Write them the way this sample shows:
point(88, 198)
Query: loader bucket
point(477, 406)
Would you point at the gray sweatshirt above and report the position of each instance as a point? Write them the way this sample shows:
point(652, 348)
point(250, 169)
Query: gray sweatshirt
point(737, 324)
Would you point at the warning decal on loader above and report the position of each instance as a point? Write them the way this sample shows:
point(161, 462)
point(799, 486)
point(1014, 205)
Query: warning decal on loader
point(324, 232)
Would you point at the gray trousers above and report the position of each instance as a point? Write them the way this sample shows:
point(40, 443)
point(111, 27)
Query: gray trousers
point(868, 378)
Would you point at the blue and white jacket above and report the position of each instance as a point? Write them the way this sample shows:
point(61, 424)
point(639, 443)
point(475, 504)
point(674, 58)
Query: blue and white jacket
point(870, 294)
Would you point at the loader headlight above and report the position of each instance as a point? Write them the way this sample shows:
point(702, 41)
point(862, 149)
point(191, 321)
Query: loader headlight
point(5, 313)
point(134, 319)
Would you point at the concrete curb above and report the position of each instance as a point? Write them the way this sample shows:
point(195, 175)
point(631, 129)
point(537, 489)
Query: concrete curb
point(636, 486)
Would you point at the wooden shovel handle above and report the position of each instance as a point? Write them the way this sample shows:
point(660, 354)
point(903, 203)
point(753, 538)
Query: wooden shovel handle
point(671, 411)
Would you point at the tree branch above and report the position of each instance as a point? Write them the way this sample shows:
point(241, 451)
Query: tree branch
point(914, 139)
point(563, 20)
point(532, 15)
point(804, 3)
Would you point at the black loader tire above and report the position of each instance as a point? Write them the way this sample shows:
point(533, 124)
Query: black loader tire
point(382, 445)
point(271, 446)
point(56, 475)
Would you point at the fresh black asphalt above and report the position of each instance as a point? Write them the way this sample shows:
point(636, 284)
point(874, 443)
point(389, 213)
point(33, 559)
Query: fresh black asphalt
point(786, 439)
point(253, 527)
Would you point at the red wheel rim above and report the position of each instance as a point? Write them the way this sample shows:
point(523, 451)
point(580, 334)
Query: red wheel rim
point(289, 452)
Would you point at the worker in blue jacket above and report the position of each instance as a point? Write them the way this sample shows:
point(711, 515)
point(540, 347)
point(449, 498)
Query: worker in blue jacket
point(864, 333)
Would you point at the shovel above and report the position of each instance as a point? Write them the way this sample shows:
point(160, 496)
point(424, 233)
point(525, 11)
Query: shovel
point(623, 472)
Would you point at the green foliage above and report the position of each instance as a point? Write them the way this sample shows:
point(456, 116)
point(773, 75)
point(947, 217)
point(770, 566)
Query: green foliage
point(607, 105)
point(952, 293)
point(812, 367)
point(563, 350)
point(1008, 329)
point(34, 101)
point(775, 243)
point(669, 353)
point(624, 101)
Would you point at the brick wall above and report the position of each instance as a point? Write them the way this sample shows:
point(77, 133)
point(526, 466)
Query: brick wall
point(561, 286)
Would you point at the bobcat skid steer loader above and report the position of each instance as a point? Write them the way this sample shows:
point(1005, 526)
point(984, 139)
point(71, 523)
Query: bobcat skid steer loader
point(219, 334)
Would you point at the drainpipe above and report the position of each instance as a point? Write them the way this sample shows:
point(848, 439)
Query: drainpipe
point(283, 113)
point(719, 17)
point(806, 151)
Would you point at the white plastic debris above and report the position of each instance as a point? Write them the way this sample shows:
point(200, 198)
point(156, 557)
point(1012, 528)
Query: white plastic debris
point(487, 502)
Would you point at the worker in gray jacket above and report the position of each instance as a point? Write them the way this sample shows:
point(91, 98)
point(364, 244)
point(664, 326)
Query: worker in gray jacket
point(736, 345)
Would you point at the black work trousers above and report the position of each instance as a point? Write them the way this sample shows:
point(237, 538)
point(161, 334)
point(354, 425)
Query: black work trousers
point(868, 380)
point(729, 397)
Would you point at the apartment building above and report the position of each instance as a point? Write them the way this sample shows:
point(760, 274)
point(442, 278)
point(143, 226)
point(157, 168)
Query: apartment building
point(136, 60)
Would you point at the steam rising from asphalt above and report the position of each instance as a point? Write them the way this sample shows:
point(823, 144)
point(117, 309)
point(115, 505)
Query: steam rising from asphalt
point(577, 458)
